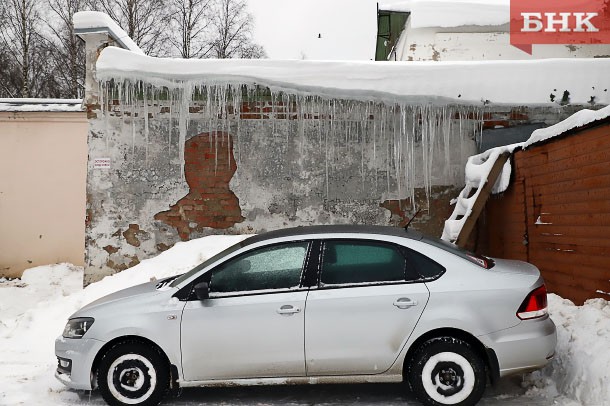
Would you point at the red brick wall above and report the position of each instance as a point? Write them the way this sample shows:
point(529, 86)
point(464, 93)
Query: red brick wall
point(559, 203)
point(209, 167)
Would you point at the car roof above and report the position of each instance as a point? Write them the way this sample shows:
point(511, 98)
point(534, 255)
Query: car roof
point(334, 229)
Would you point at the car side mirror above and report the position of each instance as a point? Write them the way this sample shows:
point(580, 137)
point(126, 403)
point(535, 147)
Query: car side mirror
point(202, 290)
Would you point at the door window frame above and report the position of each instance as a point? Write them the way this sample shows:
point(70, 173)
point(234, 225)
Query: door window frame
point(205, 277)
point(314, 282)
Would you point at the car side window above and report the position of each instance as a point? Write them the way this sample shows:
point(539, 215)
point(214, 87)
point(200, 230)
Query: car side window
point(426, 267)
point(275, 267)
point(347, 262)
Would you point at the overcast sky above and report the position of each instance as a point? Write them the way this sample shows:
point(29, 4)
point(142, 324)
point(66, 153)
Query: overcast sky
point(288, 29)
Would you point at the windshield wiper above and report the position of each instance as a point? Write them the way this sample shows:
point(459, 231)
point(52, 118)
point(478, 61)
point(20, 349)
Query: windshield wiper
point(166, 281)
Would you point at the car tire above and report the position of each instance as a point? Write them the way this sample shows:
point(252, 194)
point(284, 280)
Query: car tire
point(133, 373)
point(446, 371)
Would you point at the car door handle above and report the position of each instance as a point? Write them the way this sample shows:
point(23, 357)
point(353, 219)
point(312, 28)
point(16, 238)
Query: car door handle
point(405, 303)
point(288, 309)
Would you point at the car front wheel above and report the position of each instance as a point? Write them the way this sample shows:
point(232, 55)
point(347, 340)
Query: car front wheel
point(133, 373)
point(446, 371)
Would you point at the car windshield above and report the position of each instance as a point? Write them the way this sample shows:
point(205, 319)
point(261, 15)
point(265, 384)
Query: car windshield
point(207, 262)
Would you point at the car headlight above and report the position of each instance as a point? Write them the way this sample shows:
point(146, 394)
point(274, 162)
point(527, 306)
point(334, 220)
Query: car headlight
point(76, 328)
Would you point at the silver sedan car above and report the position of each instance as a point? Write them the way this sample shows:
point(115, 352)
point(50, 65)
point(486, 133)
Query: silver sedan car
point(327, 304)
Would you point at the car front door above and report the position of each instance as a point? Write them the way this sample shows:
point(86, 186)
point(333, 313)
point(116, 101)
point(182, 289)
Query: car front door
point(364, 309)
point(252, 326)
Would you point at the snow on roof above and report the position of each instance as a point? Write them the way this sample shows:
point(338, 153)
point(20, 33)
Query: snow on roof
point(452, 13)
point(524, 82)
point(579, 119)
point(95, 21)
point(479, 166)
point(32, 105)
point(400, 6)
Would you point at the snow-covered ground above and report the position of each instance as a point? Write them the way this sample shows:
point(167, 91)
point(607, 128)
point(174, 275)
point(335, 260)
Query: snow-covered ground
point(34, 309)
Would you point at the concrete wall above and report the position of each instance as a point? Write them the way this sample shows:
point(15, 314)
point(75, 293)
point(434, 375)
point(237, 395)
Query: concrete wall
point(260, 165)
point(476, 43)
point(43, 160)
point(267, 166)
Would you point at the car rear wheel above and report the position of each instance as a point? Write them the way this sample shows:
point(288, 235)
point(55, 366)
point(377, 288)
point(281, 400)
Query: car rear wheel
point(133, 374)
point(446, 371)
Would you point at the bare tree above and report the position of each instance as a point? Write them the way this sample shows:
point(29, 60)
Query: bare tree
point(145, 21)
point(232, 34)
point(252, 51)
point(69, 54)
point(191, 21)
point(20, 36)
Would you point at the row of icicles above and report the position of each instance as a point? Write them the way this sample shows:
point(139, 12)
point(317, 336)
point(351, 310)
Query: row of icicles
point(398, 144)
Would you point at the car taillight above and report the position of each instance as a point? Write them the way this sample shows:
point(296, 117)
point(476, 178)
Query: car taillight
point(482, 261)
point(534, 305)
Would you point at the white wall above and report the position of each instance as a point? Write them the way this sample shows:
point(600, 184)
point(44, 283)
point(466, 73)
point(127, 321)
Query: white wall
point(43, 162)
point(471, 43)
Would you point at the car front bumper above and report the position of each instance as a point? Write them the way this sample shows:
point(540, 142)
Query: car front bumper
point(79, 353)
point(528, 346)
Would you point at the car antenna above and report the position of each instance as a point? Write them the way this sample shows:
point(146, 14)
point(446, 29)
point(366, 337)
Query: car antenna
point(411, 219)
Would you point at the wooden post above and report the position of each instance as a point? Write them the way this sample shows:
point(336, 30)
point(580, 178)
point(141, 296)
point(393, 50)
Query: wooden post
point(478, 205)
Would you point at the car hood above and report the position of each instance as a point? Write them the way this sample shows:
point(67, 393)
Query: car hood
point(148, 288)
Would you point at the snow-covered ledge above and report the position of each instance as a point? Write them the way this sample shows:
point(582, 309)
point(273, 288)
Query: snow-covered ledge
point(513, 83)
point(98, 31)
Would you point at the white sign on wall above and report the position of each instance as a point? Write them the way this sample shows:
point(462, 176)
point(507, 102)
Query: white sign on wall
point(101, 163)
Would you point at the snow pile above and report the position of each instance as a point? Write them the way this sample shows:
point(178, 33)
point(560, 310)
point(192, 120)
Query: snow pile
point(35, 310)
point(579, 119)
point(452, 13)
point(526, 82)
point(581, 367)
point(31, 104)
point(478, 168)
point(97, 22)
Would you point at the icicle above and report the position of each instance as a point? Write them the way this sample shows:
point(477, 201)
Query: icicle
point(132, 103)
point(375, 118)
point(171, 123)
point(183, 122)
point(146, 130)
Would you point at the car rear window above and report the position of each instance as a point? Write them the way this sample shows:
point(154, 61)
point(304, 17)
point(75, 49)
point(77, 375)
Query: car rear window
point(426, 267)
point(480, 260)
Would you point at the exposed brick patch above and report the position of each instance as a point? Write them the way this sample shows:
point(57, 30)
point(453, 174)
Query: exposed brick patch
point(91, 108)
point(209, 166)
point(519, 114)
point(110, 249)
point(132, 261)
point(496, 123)
point(472, 115)
point(132, 233)
point(435, 210)
point(397, 209)
point(163, 247)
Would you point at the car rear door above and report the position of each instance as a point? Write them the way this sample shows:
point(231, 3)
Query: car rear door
point(252, 326)
point(364, 308)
